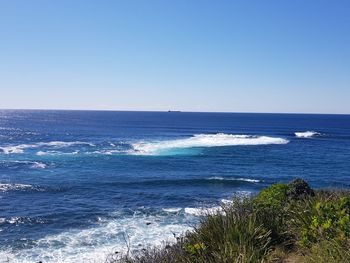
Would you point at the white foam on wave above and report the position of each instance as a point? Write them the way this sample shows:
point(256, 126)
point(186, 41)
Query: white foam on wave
point(38, 165)
point(306, 134)
point(204, 140)
point(107, 152)
point(202, 211)
point(16, 220)
point(95, 244)
point(13, 149)
point(234, 179)
point(64, 144)
point(14, 187)
point(172, 209)
point(43, 153)
point(31, 164)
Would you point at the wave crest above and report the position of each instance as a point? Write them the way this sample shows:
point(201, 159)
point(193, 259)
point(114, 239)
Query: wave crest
point(203, 140)
point(249, 180)
point(306, 134)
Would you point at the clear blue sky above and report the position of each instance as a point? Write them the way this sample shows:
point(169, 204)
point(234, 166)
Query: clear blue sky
point(246, 56)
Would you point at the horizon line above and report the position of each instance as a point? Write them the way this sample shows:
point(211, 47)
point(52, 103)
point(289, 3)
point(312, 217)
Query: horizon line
point(173, 111)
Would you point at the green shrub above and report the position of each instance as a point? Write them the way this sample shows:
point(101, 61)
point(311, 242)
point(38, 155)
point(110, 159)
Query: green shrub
point(274, 196)
point(282, 221)
point(324, 219)
point(299, 189)
point(329, 251)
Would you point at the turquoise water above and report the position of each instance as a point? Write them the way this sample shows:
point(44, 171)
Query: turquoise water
point(74, 184)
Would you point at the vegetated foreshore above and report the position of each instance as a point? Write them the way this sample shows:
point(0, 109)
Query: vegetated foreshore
point(283, 223)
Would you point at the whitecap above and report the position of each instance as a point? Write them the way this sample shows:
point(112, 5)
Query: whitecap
point(14, 220)
point(234, 179)
point(106, 152)
point(203, 140)
point(38, 165)
point(43, 153)
point(64, 144)
point(13, 149)
point(306, 134)
point(172, 209)
point(202, 211)
point(13, 187)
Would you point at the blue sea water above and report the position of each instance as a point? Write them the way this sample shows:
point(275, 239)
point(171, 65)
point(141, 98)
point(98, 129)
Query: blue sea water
point(78, 185)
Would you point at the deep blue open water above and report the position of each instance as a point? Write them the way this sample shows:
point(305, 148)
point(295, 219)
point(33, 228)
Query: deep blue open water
point(75, 184)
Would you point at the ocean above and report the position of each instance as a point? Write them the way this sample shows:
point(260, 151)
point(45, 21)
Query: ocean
point(76, 186)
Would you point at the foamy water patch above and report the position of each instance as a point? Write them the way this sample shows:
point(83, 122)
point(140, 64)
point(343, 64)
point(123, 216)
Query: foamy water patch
point(16, 149)
point(202, 141)
point(307, 134)
point(172, 209)
point(25, 163)
point(107, 152)
point(53, 153)
point(202, 211)
point(38, 165)
point(16, 220)
point(219, 178)
point(96, 244)
point(15, 187)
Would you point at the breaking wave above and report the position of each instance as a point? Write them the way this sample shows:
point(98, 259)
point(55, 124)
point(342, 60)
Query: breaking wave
point(203, 140)
point(234, 179)
point(307, 134)
point(189, 145)
point(95, 244)
point(172, 209)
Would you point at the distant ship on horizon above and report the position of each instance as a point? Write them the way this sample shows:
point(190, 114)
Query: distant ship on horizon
point(174, 111)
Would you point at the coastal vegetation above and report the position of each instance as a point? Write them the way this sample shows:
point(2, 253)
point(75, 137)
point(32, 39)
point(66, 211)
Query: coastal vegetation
point(289, 223)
